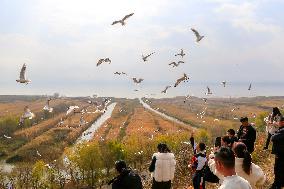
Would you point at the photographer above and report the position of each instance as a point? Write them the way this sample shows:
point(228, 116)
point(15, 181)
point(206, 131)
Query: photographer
point(126, 179)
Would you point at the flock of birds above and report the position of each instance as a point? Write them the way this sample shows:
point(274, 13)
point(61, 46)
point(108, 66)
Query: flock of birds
point(184, 78)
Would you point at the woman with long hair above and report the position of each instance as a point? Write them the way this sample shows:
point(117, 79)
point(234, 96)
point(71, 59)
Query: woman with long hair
point(245, 168)
point(271, 127)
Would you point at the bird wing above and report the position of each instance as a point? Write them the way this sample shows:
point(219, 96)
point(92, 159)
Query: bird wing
point(195, 32)
point(107, 60)
point(178, 81)
point(127, 16)
point(100, 61)
point(180, 62)
point(116, 22)
point(23, 72)
point(172, 63)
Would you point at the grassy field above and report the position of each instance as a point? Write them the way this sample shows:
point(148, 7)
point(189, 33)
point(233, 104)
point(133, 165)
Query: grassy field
point(131, 133)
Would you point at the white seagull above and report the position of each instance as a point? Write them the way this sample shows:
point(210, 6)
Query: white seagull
point(122, 21)
point(198, 36)
point(147, 56)
point(209, 92)
point(37, 153)
point(224, 83)
point(174, 64)
point(165, 90)
point(23, 78)
point(8, 137)
point(135, 80)
point(183, 78)
point(102, 60)
point(249, 87)
point(180, 54)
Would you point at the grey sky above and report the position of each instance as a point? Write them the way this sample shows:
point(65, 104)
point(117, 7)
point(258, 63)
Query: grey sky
point(61, 41)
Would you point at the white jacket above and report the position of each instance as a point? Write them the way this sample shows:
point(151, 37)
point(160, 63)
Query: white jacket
point(256, 178)
point(235, 182)
point(164, 167)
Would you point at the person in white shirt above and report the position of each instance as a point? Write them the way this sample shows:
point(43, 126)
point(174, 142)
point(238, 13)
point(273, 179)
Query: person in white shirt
point(198, 164)
point(225, 164)
point(163, 167)
point(245, 168)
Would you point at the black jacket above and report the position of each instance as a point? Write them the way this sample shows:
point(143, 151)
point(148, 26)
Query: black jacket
point(247, 135)
point(278, 142)
point(127, 180)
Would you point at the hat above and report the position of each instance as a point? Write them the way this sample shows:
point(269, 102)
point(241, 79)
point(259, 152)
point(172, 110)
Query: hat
point(244, 119)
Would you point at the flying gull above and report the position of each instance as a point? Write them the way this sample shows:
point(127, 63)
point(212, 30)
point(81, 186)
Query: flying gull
point(174, 64)
point(209, 92)
point(180, 54)
point(137, 80)
point(122, 21)
point(183, 78)
point(198, 36)
point(165, 90)
point(102, 60)
point(147, 56)
point(249, 87)
point(23, 78)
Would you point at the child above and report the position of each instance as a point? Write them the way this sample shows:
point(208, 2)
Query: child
point(198, 164)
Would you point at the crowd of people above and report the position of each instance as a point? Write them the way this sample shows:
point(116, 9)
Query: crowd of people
point(229, 164)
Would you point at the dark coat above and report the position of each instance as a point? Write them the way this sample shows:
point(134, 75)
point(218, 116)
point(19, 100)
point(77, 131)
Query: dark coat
point(127, 180)
point(278, 142)
point(247, 135)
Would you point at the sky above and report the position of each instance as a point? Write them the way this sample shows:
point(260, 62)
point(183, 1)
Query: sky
point(62, 40)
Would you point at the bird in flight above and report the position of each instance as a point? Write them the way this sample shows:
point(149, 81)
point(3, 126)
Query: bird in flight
point(186, 98)
point(197, 35)
point(137, 80)
point(249, 87)
point(174, 64)
point(209, 92)
point(37, 153)
point(102, 60)
point(224, 83)
point(183, 78)
point(204, 99)
point(165, 90)
point(8, 137)
point(23, 78)
point(122, 21)
point(147, 56)
point(180, 54)
point(120, 73)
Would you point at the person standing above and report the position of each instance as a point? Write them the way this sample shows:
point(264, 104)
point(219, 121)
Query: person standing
point(271, 125)
point(225, 165)
point(198, 165)
point(163, 167)
point(247, 134)
point(278, 149)
point(231, 133)
point(245, 168)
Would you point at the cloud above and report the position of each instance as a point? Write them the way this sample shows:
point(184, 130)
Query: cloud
point(243, 15)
